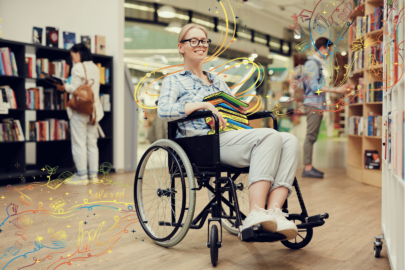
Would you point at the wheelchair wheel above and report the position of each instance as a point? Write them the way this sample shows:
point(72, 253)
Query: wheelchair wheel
point(164, 199)
point(214, 245)
point(242, 183)
point(304, 235)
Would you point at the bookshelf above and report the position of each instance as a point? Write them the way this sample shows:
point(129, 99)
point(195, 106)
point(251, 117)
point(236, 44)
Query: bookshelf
point(393, 188)
point(358, 144)
point(53, 153)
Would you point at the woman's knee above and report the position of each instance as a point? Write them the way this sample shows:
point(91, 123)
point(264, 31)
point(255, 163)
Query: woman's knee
point(289, 138)
point(271, 134)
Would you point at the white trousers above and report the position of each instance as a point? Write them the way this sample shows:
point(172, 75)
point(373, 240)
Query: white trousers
point(271, 155)
point(84, 144)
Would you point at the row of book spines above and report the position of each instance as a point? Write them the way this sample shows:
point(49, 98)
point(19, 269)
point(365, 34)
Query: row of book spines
point(355, 126)
point(244, 120)
point(11, 131)
point(105, 102)
point(374, 125)
point(57, 68)
point(373, 96)
point(104, 74)
point(378, 53)
point(40, 99)
point(48, 130)
point(368, 23)
point(7, 98)
point(8, 65)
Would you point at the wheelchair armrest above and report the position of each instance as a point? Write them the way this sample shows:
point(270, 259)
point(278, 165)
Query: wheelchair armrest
point(264, 114)
point(200, 114)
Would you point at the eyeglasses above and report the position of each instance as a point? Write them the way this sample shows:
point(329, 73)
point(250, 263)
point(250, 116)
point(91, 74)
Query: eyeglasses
point(194, 42)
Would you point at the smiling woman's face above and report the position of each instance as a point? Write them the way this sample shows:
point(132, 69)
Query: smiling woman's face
point(198, 53)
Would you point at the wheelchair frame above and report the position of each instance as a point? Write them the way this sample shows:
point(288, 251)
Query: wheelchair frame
point(204, 155)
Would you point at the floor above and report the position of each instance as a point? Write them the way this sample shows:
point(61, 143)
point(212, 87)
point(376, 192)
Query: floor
point(60, 226)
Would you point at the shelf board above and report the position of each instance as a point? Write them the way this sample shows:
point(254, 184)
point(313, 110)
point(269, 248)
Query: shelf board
point(355, 136)
point(12, 142)
point(374, 103)
point(375, 67)
point(11, 77)
point(68, 140)
point(358, 71)
point(355, 104)
point(373, 137)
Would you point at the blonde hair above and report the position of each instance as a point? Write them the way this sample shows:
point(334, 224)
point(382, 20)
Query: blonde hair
point(185, 29)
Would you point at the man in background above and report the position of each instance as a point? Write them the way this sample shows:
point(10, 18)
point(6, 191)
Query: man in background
point(315, 101)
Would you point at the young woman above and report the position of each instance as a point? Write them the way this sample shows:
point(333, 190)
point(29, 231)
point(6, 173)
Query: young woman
point(83, 134)
point(271, 155)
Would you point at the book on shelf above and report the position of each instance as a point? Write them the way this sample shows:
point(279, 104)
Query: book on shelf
point(52, 36)
point(377, 52)
point(8, 65)
point(11, 130)
point(86, 40)
point(69, 39)
point(39, 98)
point(100, 44)
point(374, 125)
point(37, 35)
point(371, 160)
point(105, 102)
point(7, 97)
point(104, 74)
point(48, 130)
point(30, 65)
point(57, 68)
point(355, 125)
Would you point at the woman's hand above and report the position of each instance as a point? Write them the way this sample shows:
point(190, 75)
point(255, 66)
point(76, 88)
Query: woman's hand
point(222, 121)
point(244, 109)
point(60, 87)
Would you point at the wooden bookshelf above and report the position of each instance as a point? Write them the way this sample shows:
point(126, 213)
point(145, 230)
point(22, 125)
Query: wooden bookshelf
point(358, 144)
point(52, 153)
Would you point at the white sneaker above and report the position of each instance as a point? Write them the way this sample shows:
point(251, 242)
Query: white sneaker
point(260, 216)
point(284, 226)
point(94, 179)
point(78, 180)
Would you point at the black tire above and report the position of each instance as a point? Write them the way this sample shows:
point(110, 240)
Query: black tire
point(304, 235)
point(377, 251)
point(213, 245)
point(164, 204)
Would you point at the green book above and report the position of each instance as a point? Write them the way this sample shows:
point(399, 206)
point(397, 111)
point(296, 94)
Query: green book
point(226, 97)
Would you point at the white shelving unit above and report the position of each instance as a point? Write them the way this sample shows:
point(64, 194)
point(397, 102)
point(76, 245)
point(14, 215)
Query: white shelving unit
point(393, 184)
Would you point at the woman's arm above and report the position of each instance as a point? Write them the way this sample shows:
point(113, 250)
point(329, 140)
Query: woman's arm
point(77, 76)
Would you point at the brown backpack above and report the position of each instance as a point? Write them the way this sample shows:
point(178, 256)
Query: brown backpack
point(83, 100)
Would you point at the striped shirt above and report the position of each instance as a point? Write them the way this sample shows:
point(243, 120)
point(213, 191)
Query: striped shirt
point(185, 87)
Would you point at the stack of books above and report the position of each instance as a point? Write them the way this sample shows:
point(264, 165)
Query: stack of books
point(374, 125)
point(355, 125)
point(48, 130)
point(104, 74)
point(105, 102)
point(7, 98)
point(39, 98)
point(11, 131)
point(8, 65)
point(231, 109)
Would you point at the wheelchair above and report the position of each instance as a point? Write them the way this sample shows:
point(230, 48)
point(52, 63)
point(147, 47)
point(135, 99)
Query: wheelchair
point(165, 192)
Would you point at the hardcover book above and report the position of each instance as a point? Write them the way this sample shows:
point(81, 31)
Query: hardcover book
point(52, 37)
point(69, 39)
point(86, 40)
point(100, 44)
point(37, 35)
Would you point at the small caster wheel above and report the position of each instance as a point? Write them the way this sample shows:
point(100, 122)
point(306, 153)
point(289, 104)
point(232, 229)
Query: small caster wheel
point(377, 251)
point(214, 245)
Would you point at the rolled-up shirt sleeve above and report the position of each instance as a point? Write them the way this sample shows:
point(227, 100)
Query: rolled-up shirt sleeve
point(77, 78)
point(313, 69)
point(169, 106)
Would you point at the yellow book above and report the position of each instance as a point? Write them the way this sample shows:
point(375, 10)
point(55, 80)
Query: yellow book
point(234, 117)
point(102, 75)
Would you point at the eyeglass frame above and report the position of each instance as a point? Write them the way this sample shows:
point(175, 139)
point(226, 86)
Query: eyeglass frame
point(199, 41)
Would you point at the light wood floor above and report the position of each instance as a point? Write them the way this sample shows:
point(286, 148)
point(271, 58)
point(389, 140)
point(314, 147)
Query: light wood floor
point(116, 241)
point(344, 242)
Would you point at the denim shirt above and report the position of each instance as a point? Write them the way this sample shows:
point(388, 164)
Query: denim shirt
point(185, 87)
point(312, 98)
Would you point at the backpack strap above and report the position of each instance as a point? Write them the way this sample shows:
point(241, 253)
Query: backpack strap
point(320, 74)
point(85, 72)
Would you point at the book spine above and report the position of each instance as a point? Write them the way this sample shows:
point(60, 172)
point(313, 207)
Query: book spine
point(14, 64)
point(2, 72)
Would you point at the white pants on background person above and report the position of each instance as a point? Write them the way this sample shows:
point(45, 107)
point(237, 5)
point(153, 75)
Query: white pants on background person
point(84, 144)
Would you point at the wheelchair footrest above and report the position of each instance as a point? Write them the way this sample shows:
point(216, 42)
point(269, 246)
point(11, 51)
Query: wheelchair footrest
point(314, 221)
point(257, 234)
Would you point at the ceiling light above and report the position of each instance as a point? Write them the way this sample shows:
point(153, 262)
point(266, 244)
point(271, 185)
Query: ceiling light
point(343, 53)
point(251, 58)
point(271, 72)
point(255, 55)
point(166, 12)
point(174, 27)
point(245, 62)
point(297, 36)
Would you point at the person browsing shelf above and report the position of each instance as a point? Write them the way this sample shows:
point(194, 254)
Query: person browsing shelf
point(83, 133)
point(271, 155)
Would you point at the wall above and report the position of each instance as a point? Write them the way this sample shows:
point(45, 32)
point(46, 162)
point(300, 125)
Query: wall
point(83, 17)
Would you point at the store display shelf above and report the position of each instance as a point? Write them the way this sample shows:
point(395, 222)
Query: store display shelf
point(373, 137)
